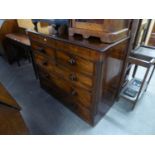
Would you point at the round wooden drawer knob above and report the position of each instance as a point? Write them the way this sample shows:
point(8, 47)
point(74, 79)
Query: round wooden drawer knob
point(72, 61)
point(73, 77)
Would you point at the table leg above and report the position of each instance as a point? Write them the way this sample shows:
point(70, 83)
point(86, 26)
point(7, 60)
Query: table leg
point(134, 71)
point(141, 87)
point(151, 74)
point(27, 52)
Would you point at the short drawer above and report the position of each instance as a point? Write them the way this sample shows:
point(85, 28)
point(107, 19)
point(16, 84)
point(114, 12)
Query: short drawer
point(44, 62)
point(75, 63)
point(41, 39)
point(45, 50)
point(73, 93)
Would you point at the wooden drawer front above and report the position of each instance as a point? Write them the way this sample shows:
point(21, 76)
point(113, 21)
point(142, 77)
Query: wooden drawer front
point(73, 93)
point(43, 62)
point(72, 77)
point(75, 63)
point(81, 110)
point(84, 113)
point(83, 52)
point(86, 53)
point(75, 106)
point(42, 39)
point(75, 77)
point(45, 50)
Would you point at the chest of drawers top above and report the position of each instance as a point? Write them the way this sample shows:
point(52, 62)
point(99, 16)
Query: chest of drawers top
point(86, 44)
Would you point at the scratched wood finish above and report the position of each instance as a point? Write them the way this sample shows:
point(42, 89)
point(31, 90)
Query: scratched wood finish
point(83, 74)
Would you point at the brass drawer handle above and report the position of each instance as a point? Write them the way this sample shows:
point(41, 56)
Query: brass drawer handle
point(73, 77)
point(72, 61)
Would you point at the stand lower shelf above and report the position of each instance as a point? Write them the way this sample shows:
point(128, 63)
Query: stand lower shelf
point(131, 90)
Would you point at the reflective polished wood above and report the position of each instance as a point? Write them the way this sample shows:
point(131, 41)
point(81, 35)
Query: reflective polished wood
point(84, 74)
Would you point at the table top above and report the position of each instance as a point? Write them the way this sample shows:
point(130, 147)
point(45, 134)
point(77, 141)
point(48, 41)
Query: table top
point(7, 99)
point(19, 37)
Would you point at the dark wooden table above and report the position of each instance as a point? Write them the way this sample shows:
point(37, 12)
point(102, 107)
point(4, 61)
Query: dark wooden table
point(21, 40)
point(17, 44)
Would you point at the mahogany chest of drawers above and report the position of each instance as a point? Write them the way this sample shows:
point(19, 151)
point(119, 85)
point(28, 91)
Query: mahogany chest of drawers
point(83, 74)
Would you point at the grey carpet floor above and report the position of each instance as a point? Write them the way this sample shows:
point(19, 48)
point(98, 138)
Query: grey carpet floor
point(45, 115)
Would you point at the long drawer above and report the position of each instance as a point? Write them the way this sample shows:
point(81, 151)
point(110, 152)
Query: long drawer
point(43, 39)
point(83, 112)
point(75, 63)
point(80, 51)
point(66, 89)
point(76, 78)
